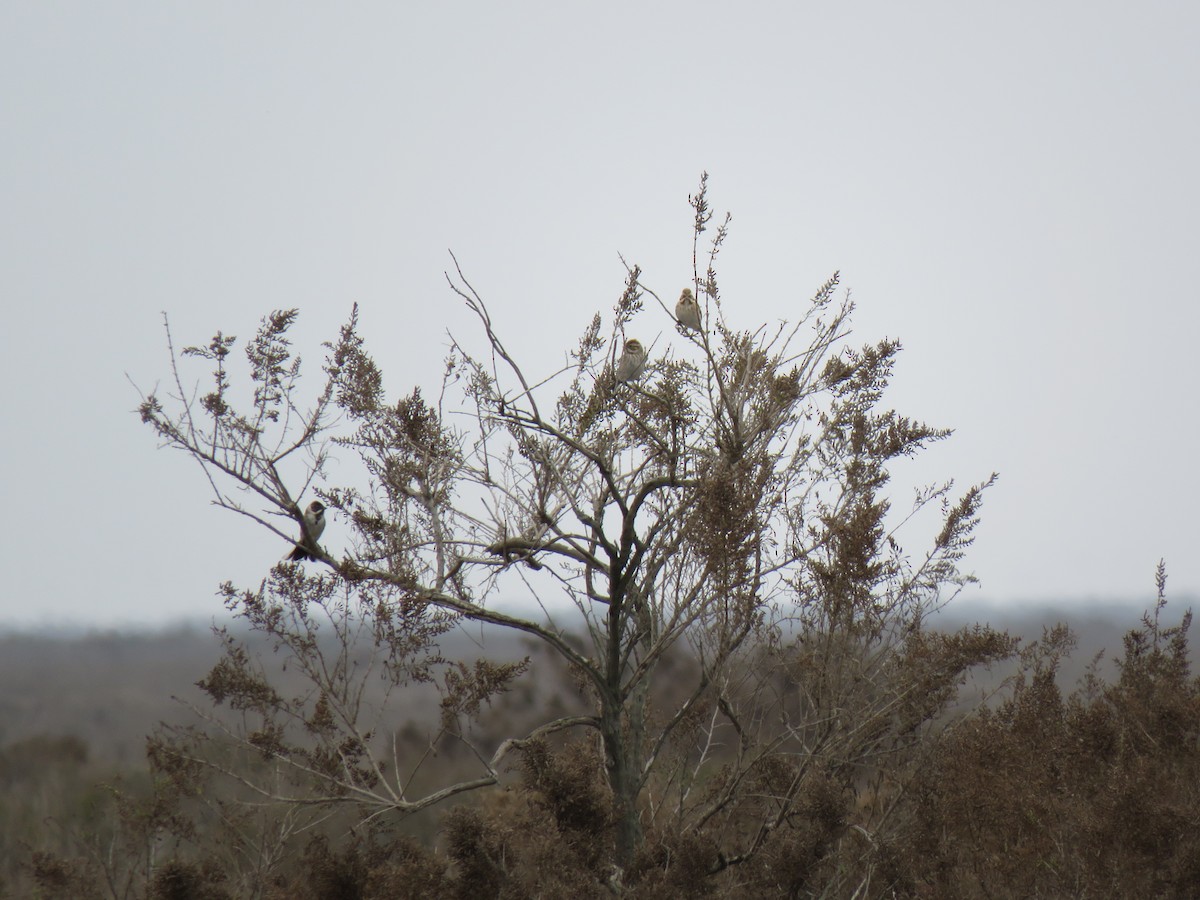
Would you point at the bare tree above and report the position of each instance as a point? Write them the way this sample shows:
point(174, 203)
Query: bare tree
point(724, 504)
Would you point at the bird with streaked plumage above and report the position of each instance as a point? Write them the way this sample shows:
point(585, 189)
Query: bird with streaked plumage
point(687, 310)
point(632, 362)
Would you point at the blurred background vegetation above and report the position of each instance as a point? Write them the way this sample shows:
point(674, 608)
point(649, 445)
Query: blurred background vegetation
point(1073, 771)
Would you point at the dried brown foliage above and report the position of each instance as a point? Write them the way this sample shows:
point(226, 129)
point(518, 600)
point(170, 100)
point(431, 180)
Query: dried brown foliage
point(753, 655)
point(1091, 793)
point(1046, 792)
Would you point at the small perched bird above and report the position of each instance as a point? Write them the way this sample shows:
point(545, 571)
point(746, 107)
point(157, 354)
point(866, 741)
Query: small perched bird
point(632, 362)
point(687, 310)
point(314, 521)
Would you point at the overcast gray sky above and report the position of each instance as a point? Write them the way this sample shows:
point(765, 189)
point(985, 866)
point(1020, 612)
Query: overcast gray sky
point(1010, 189)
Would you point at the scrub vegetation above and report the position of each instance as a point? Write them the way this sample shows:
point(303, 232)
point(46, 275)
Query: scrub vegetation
point(729, 683)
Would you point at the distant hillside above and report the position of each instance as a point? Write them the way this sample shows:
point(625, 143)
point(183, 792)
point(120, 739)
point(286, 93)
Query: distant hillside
point(112, 688)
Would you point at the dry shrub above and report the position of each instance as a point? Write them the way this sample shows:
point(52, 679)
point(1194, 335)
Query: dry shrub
point(1095, 794)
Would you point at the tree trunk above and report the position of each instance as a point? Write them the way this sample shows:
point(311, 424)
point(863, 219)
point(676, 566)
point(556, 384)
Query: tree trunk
point(621, 758)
